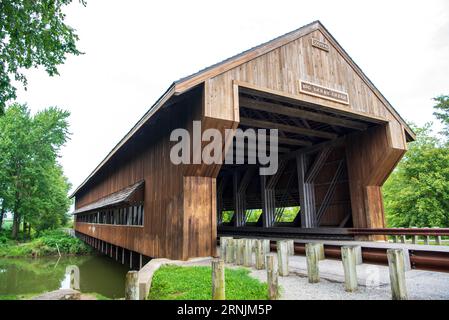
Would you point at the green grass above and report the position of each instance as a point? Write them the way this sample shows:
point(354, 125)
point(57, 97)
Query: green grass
point(194, 283)
point(46, 244)
point(18, 296)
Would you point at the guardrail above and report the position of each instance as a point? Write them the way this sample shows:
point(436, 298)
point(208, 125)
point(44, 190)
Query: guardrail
point(403, 233)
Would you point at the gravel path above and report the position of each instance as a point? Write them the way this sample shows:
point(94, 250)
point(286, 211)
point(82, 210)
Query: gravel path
point(373, 283)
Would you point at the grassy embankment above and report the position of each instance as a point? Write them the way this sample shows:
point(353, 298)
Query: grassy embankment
point(194, 283)
point(46, 244)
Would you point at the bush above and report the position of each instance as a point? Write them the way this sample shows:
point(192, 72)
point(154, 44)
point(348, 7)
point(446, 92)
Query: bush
point(46, 244)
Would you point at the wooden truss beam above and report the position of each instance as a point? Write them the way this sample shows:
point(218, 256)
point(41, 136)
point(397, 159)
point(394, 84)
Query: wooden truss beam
point(330, 192)
point(268, 203)
point(306, 194)
point(287, 128)
point(298, 113)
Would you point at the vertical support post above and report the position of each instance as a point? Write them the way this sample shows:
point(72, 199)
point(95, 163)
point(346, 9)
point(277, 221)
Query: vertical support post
point(116, 253)
point(291, 247)
point(132, 286)
point(320, 251)
point(248, 253)
point(230, 251)
point(403, 239)
point(240, 247)
point(140, 261)
point(218, 280)
point(223, 246)
point(260, 255)
point(306, 194)
point(123, 255)
point(415, 239)
point(267, 246)
point(348, 256)
point(313, 271)
point(396, 265)
point(130, 259)
point(268, 203)
point(239, 220)
point(437, 239)
point(282, 251)
point(426, 240)
point(272, 277)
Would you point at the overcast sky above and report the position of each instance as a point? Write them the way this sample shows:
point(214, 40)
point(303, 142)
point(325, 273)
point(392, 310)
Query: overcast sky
point(135, 49)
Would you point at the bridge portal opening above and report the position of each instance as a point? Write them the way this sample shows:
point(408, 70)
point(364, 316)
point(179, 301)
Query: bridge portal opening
point(309, 195)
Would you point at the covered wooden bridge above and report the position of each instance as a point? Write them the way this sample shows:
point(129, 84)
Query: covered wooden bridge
point(339, 139)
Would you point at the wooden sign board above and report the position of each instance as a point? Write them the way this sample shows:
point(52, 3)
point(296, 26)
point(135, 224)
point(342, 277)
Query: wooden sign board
point(323, 92)
point(320, 44)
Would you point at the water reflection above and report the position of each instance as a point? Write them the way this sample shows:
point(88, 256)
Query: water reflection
point(98, 274)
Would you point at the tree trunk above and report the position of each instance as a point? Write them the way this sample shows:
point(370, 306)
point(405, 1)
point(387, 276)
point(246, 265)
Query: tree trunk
point(2, 214)
point(15, 226)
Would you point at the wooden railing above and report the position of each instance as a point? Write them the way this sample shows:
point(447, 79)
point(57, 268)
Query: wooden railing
point(403, 235)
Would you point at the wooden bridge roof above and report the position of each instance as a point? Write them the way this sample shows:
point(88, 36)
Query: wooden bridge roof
point(115, 199)
point(187, 83)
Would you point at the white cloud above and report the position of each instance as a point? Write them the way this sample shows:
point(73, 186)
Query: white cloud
point(134, 52)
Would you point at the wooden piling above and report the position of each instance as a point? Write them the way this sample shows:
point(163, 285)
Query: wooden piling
point(223, 246)
point(320, 251)
point(348, 256)
point(260, 255)
point(312, 263)
point(291, 247)
point(282, 251)
point(132, 286)
point(230, 251)
point(267, 246)
point(218, 280)
point(396, 265)
point(247, 253)
point(240, 247)
point(272, 277)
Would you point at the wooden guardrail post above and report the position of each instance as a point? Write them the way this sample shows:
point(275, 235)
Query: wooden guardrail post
point(312, 263)
point(282, 251)
point(132, 286)
point(260, 255)
point(426, 240)
point(240, 247)
point(218, 280)
point(272, 277)
point(348, 257)
point(248, 253)
point(320, 251)
point(230, 251)
point(291, 247)
point(396, 265)
point(437, 239)
point(223, 241)
point(267, 245)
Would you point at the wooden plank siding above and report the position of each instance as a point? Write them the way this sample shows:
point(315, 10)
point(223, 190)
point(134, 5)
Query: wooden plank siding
point(180, 200)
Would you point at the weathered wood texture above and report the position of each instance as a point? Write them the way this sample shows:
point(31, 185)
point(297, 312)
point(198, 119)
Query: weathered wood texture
point(180, 200)
point(180, 209)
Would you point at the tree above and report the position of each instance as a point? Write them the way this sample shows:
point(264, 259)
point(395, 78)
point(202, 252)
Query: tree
point(33, 185)
point(417, 192)
point(32, 34)
point(442, 112)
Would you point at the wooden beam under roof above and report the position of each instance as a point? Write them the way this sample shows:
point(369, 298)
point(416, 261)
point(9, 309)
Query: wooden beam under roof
point(287, 128)
point(298, 113)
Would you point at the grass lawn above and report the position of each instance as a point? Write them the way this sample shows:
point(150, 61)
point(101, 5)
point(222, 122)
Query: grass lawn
point(195, 283)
